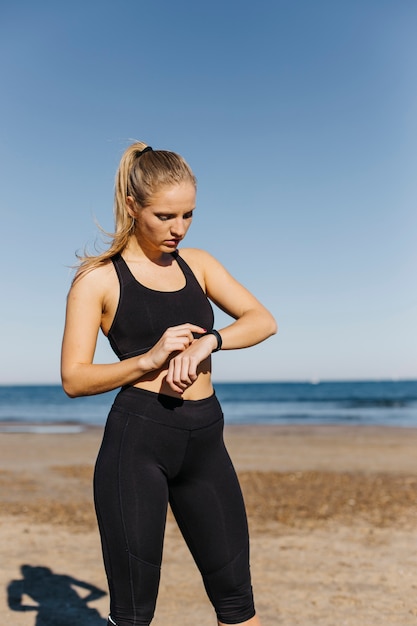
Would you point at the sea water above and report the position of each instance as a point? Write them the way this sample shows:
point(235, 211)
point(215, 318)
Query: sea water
point(46, 408)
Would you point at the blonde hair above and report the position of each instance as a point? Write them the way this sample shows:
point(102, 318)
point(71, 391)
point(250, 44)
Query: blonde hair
point(139, 175)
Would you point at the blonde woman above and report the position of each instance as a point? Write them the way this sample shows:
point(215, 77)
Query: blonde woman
point(163, 440)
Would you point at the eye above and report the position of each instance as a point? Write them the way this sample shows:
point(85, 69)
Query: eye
point(164, 217)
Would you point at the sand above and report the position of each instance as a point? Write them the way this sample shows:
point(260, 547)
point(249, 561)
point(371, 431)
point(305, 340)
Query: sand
point(332, 513)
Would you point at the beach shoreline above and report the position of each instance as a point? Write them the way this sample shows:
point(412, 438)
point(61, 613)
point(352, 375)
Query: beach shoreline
point(332, 513)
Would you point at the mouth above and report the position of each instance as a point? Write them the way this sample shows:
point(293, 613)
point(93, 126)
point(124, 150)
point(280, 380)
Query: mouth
point(172, 243)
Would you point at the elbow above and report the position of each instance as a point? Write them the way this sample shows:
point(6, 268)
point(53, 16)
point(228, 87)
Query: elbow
point(273, 328)
point(71, 388)
point(265, 324)
point(271, 325)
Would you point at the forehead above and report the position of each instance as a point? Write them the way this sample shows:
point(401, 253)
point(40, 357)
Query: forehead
point(181, 195)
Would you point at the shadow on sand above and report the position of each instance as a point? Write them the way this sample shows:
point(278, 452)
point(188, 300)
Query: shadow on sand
point(54, 598)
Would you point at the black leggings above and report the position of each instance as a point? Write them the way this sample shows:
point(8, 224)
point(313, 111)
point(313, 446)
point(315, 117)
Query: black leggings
point(157, 449)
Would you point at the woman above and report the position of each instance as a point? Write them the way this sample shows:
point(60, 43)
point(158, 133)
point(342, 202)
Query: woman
point(163, 440)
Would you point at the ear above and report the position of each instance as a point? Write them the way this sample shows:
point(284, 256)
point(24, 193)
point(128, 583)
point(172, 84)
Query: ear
point(131, 206)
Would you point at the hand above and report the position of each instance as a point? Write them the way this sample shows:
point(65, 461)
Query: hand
point(174, 339)
point(182, 369)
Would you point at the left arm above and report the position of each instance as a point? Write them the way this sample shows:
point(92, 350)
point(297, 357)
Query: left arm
point(253, 322)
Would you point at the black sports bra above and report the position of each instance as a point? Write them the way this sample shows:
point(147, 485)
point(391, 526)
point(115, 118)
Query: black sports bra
point(144, 314)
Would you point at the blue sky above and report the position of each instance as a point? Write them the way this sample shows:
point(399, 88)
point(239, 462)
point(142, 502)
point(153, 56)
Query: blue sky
point(299, 120)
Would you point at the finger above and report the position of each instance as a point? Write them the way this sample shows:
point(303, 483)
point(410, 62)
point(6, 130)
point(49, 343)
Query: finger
point(178, 339)
point(180, 372)
point(183, 371)
point(184, 374)
point(192, 370)
point(197, 329)
point(174, 387)
point(176, 344)
point(170, 379)
point(190, 327)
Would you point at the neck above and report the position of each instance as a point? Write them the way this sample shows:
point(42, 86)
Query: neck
point(134, 252)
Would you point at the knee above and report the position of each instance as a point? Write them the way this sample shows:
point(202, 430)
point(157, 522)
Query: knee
point(132, 621)
point(133, 598)
point(230, 591)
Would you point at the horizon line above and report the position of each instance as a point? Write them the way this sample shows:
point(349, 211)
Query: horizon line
point(311, 381)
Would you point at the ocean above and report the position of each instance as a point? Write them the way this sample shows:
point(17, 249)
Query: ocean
point(45, 408)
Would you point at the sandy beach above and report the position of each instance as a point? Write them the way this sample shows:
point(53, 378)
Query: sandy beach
point(332, 513)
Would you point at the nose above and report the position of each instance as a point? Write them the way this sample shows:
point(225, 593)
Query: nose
point(178, 227)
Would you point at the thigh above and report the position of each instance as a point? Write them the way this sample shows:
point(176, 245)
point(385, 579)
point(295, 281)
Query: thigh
point(130, 487)
point(207, 502)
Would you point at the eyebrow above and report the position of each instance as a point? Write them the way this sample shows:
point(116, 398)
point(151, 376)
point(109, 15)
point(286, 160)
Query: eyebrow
point(168, 212)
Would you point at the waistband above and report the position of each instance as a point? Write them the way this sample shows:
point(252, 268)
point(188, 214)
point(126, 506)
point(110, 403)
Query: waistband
point(167, 410)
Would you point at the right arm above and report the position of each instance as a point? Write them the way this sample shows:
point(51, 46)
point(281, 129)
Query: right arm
point(82, 377)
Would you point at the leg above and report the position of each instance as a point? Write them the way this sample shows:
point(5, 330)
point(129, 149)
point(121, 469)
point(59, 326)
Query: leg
point(252, 622)
point(131, 497)
point(207, 502)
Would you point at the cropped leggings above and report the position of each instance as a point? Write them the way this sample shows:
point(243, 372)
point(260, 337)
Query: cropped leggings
point(157, 449)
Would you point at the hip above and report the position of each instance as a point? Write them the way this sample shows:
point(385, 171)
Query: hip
point(168, 410)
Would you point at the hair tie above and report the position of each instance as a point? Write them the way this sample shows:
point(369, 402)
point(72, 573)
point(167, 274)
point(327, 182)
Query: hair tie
point(147, 149)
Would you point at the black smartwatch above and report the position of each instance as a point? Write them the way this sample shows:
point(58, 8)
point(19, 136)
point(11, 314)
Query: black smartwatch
point(218, 337)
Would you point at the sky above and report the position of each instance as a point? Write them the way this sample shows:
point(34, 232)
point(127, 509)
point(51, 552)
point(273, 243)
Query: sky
point(299, 119)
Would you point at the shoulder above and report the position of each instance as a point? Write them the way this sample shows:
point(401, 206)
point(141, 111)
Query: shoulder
point(196, 257)
point(205, 267)
point(201, 260)
point(94, 280)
